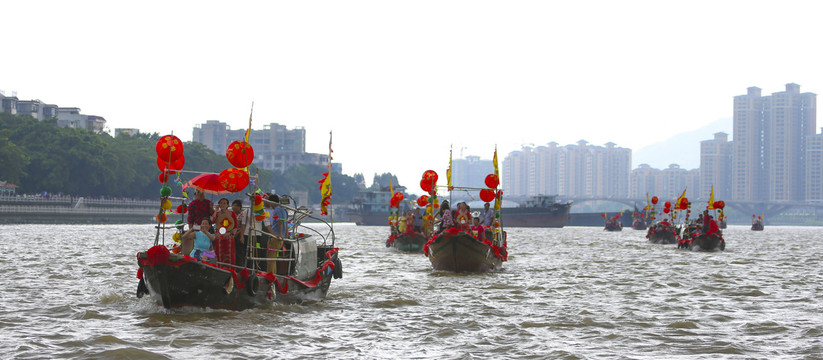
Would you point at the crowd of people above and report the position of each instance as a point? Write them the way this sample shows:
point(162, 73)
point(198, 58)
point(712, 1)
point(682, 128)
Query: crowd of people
point(223, 232)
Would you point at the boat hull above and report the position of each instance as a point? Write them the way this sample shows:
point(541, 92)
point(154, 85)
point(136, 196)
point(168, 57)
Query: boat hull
point(460, 252)
point(662, 235)
point(709, 242)
point(757, 227)
point(409, 242)
point(184, 282)
point(554, 216)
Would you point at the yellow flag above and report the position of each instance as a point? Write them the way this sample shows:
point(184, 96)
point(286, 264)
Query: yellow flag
point(648, 203)
point(711, 200)
point(391, 187)
point(677, 204)
point(246, 137)
point(449, 171)
point(494, 160)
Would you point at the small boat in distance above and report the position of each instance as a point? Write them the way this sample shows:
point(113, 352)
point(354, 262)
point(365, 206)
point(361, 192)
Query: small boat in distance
point(757, 223)
point(663, 232)
point(613, 223)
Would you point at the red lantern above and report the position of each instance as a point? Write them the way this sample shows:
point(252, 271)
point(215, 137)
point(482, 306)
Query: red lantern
point(257, 199)
point(240, 154)
point(487, 195)
point(423, 201)
point(163, 178)
point(430, 175)
point(654, 200)
point(426, 185)
point(719, 204)
point(666, 210)
point(181, 209)
point(684, 204)
point(169, 148)
point(161, 217)
point(233, 180)
point(668, 204)
point(492, 181)
point(398, 196)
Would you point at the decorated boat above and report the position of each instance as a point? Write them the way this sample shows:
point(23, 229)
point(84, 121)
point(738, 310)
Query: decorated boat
point(639, 219)
point(407, 242)
point(299, 268)
point(613, 223)
point(704, 234)
point(757, 223)
point(663, 232)
point(459, 246)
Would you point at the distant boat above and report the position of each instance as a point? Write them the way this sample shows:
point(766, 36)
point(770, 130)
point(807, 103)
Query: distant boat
point(407, 242)
point(372, 208)
point(539, 211)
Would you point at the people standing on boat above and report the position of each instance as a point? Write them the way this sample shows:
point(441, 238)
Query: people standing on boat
point(706, 219)
point(445, 214)
point(478, 230)
point(462, 217)
point(488, 215)
point(409, 221)
point(200, 208)
point(242, 217)
point(418, 221)
point(226, 223)
point(279, 221)
point(201, 239)
point(401, 224)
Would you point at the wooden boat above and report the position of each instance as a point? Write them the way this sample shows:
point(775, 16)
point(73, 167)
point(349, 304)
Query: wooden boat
point(757, 226)
point(407, 242)
point(639, 224)
point(663, 233)
point(459, 251)
point(461, 248)
point(613, 226)
point(707, 242)
point(299, 270)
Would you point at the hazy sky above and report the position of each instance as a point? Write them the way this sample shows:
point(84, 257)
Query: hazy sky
point(398, 82)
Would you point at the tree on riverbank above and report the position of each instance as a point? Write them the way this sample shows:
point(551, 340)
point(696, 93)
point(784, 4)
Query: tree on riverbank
point(40, 157)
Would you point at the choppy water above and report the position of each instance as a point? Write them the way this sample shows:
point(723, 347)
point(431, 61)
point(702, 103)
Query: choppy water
point(574, 293)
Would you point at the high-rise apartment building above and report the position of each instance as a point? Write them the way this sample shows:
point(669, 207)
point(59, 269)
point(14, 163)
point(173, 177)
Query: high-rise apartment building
point(769, 144)
point(578, 170)
point(715, 167)
point(471, 171)
point(814, 168)
point(275, 147)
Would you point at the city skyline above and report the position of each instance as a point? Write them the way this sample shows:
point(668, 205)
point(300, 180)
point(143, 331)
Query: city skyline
point(398, 83)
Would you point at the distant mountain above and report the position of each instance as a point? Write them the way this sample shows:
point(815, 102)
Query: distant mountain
point(682, 149)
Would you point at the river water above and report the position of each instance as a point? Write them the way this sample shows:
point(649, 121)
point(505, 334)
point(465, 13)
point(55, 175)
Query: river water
point(68, 291)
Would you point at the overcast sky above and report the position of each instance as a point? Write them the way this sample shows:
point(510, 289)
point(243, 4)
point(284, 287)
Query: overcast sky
point(398, 82)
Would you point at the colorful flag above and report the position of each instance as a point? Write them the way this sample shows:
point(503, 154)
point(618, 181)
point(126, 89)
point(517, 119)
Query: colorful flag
point(494, 160)
point(677, 204)
point(246, 136)
point(325, 185)
point(711, 200)
point(648, 203)
point(391, 187)
point(449, 171)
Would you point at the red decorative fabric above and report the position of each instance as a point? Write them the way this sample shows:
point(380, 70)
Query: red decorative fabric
point(157, 255)
point(139, 273)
